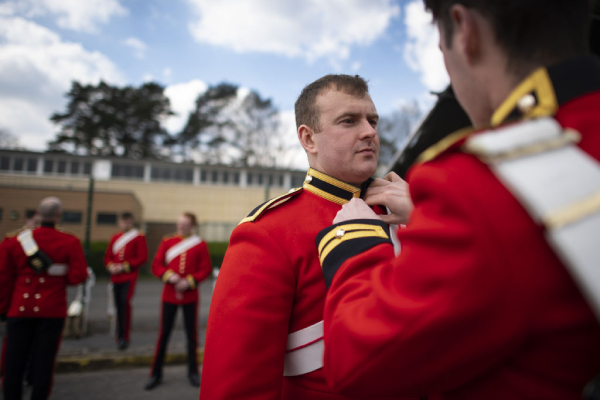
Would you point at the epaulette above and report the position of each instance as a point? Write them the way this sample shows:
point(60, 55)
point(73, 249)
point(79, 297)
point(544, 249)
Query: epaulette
point(170, 235)
point(452, 141)
point(15, 232)
point(267, 205)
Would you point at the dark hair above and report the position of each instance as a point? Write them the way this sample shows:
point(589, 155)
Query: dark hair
point(126, 215)
point(540, 32)
point(305, 107)
point(192, 218)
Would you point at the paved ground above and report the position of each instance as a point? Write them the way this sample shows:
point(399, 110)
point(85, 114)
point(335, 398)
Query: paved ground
point(126, 384)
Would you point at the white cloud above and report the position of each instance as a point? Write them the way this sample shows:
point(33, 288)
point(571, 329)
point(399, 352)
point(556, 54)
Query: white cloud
point(167, 72)
point(148, 77)
point(422, 53)
point(182, 97)
point(295, 156)
point(36, 70)
point(139, 47)
point(309, 29)
point(77, 15)
point(355, 66)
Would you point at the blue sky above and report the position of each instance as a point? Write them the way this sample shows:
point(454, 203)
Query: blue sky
point(273, 46)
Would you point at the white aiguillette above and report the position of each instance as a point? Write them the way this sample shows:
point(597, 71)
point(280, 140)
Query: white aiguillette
point(558, 184)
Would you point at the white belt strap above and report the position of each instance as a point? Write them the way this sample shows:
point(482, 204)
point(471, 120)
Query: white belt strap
point(181, 247)
point(558, 184)
point(58, 269)
point(304, 351)
point(28, 243)
point(124, 239)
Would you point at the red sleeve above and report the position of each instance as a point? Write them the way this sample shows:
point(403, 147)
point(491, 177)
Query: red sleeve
point(7, 276)
point(141, 253)
point(158, 263)
point(78, 272)
point(108, 256)
point(248, 320)
point(397, 326)
point(205, 267)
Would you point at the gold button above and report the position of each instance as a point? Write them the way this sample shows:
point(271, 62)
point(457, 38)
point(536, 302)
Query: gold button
point(36, 309)
point(21, 308)
point(26, 295)
point(526, 103)
point(37, 296)
point(308, 179)
point(42, 280)
point(340, 233)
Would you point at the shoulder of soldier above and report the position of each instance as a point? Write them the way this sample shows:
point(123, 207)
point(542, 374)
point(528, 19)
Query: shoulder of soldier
point(263, 208)
point(169, 236)
point(14, 233)
point(66, 232)
point(447, 144)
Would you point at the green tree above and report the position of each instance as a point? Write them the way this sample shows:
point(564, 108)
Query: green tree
point(106, 120)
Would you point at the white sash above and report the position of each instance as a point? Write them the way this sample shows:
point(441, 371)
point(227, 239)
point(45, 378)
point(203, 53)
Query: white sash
point(124, 239)
point(558, 184)
point(304, 351)
point(28, 243)
point(181, 247)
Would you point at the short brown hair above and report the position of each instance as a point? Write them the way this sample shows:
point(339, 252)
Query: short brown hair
point(305, 107)
point(534, 31)
point(191, 217)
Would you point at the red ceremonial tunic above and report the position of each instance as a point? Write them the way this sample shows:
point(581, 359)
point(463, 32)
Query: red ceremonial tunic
point(132, 256)
point(192, 264)
point(270, 285)
point(25, 293)
point(477, 305)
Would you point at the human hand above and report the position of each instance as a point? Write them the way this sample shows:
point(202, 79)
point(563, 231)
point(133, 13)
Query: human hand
point(115, 268)
point(182, 285)
point(173, 279)
point(355, 209)
point(393, 193)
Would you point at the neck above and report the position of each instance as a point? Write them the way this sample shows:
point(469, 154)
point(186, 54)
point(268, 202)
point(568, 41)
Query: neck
point(49, 224)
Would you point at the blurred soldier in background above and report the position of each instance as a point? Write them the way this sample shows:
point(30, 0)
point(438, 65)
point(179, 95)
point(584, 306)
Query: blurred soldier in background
point(182, 261)
point(126, 252)
point(480, 304)
point(35, 268)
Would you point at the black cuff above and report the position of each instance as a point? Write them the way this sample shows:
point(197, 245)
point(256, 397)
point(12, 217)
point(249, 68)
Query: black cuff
point(2, 317)
point(344, 240)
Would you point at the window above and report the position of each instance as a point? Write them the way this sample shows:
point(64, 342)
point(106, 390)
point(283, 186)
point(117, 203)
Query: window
point(106, 219)
point(18, 164)
point(4, 163)
point(72, 217)
point(260, 179)
point(32, 165)
point(214, 177)
point(172, 174)
point(203, 175)
point(280, 180)
point(74, 167)
point(236, 177)
point(62, 167)
point(48, 166)
point(87, 168)
point(225, 177)
point(1, 214)
point(250, 178)
point(271, 180)
point(127, 171)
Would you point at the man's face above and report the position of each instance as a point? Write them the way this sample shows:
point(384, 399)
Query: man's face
point(125, 224)
point(184, 226)
point(347, 147)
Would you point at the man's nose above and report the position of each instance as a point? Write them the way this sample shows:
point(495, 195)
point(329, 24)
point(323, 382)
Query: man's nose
point(368, 131)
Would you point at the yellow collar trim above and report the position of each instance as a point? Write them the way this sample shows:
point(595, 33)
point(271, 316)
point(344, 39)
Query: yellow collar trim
point(537, 83)
point(353, 190)
point(444, 144)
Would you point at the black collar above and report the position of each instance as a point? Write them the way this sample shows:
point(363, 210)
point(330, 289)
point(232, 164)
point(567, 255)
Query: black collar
point(332, 189)
point(49, 224)
point(546, 89)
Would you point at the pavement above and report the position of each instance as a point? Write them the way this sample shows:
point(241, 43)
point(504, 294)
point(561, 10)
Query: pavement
point(98, 351)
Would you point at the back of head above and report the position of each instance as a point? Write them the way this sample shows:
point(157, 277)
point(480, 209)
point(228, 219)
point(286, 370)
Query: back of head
point(50, 209)
point(531, 32)
point(191, 217)
point(305, 107)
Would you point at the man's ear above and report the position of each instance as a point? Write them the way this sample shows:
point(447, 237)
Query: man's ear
point(307, 139)
point(466, 32)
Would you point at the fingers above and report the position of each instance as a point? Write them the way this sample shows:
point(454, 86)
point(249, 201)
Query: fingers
point(393, 177)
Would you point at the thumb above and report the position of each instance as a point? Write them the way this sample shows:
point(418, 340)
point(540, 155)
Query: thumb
point(393, 177)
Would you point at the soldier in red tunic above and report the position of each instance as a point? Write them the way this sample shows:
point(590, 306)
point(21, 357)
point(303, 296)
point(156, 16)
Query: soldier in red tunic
point(482, 302)
point(125, 254)
point(265, 328)
point(182, 261)
point(35, 268)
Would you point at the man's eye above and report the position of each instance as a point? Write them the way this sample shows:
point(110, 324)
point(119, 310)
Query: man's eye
point(373, 123)
point(348, 121)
